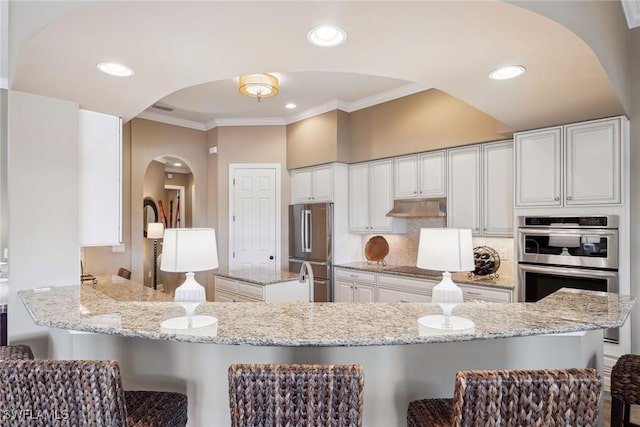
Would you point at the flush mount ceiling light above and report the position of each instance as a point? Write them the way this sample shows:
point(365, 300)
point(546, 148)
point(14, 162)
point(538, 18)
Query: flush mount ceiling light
point(258, 86)
point(327, 36)
point(507, 72)
point(115, 69)
point(290, 106)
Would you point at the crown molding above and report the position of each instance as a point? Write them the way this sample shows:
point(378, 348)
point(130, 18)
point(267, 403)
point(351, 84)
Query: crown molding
point(631, 12)
point(171, 120)
point(257, 121)
point(315, 111)
point(389, 95)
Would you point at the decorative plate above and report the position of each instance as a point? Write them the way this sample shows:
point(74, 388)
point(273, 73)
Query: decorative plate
point(376, 249)
point(487, 261)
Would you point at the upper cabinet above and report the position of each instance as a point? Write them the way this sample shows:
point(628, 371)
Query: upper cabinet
point(371, 197)
point(100, 141)
point(312, 185)
point(420, 176)
point(480, 188)
point(572, 165)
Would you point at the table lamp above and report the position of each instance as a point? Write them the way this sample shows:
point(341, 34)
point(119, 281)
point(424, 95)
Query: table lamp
point(155, 231)
point(446, 250)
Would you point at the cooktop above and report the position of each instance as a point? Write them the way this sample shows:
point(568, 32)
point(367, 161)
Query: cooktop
point(414, 270)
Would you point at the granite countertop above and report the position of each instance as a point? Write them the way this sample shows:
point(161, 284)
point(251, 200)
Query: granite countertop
point(459, 277)
point(111, 308)
point(257, 275)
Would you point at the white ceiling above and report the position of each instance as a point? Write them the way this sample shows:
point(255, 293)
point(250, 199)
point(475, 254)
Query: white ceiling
point(188, 54)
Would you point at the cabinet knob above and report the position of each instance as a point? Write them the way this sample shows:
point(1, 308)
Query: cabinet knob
point(415, 192)
point(556, 198)
point(568, 197)
point(271, 257)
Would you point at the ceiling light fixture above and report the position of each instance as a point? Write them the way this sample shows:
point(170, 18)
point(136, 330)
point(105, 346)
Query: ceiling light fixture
point(115, 69)
point(290, 106)
point(507, 72)
point(327, 36)
point(258, 86)
point(177, 164)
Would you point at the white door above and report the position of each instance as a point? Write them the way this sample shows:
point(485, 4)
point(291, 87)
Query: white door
point(497, 184)
point(406, 177)
point(433, 174)
point(254, 224)
point(463, 201)
point(380, 195)
point(359, 197)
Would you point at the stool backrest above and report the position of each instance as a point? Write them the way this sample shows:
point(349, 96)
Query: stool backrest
point(527, 397)
point(296, 395)
point(16, 351)
point(61, 393)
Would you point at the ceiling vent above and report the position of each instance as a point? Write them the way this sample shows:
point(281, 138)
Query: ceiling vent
point(163, 107)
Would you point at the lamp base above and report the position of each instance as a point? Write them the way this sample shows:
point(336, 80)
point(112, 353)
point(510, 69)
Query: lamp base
point(189, 322)
point(445, 324)
point(446, 291)
point(190, 290)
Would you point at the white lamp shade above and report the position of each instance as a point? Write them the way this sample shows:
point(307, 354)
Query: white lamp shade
point(189, 250)
point(445, 249)
point(155, 230)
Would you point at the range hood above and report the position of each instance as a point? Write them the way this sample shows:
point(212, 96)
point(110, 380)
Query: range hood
point(419, 208)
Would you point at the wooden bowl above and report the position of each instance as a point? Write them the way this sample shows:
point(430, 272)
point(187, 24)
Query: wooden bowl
point(376, 249)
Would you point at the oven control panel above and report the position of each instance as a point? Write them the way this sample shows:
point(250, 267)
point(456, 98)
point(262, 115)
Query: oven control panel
point(604, 221)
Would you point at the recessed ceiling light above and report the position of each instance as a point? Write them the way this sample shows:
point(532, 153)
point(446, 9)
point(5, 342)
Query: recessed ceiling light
point(177, 164)
point(507, 72)
point(326, 36)
point(290, 106)
point(115, 69)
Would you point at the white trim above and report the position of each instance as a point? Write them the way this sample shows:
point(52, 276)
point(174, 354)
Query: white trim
point(257, 121)
point(631, 12)
point(182, 202)
point(4, 83)
point(315, 111)
point(156, 117)
point(389, 95)
point(278, 219)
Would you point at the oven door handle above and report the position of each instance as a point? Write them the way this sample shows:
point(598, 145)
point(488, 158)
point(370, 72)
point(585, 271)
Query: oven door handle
point(561, 271)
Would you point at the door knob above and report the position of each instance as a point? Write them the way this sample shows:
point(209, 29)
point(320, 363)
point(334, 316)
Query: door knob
point(270, 256)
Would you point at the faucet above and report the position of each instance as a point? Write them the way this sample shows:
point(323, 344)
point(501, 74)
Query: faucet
point(306, 273)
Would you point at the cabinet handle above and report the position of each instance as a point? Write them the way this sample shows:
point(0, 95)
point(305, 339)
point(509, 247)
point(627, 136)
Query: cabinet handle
point(556, 198)
point(353, 275)
point(568, 197)
point(474, 293)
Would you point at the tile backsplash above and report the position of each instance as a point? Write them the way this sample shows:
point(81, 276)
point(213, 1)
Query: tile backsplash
point(403, 248)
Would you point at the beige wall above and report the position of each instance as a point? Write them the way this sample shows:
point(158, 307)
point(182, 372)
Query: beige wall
point(249, 144)
point(315, 140)
point(423, 121)
point(150, 140)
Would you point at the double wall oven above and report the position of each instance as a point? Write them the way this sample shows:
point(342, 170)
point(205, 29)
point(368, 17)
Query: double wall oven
point(567, 252)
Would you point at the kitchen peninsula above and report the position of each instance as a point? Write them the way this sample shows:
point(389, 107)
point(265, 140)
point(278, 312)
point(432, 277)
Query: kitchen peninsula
point(401, 360)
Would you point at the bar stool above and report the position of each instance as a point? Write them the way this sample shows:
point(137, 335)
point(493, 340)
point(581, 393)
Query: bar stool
point(18, 351)
point(83, 393)
point(296, 395)
point(625, 389)
point(514, 397)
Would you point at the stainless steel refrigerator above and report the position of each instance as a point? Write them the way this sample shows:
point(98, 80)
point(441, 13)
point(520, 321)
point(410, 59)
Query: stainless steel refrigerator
point(311, 239)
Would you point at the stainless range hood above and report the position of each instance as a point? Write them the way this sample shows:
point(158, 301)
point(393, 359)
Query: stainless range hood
point(419, 208)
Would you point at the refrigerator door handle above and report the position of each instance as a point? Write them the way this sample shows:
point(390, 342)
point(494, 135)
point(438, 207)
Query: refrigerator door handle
point(303, 234)
point(308, 223)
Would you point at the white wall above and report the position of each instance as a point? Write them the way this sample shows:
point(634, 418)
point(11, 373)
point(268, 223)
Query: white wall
point(43, 209)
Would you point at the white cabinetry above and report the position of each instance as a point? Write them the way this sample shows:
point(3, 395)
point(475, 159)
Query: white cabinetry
point(419, 176)
point(313, 185)
point(354, 286)
point(497, 189)
point(402, 289)
point(371, 197)
point(572, 165)
point(464, 183)
point(100, 179)
point(232, 290)
point(479, 293)
point(480, 188)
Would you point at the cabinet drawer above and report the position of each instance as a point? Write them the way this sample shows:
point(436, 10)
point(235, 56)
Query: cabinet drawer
point(251, 291)
point(355, 276)
point(225, 284)
point(222, 296)
point(471, 293)
point(394, 295)
point(421, 286)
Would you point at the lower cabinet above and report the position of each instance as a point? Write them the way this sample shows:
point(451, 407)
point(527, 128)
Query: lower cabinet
point(402, 289)
point(477, 293)
point(231, 290)
point(354, 286)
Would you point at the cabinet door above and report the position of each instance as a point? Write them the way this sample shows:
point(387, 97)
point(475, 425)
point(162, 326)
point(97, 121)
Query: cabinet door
point(322, 184)
point(538, 168)
point(405, 183)
point(380, 195)
point(359, 197)
point(463, 200)
point(497, 185)
point(344, 291)
point(432, 174)
point(364, 293)
point(301, 185)
point(100, 183)
point(223, 297)
point(592, 173)
point(395, 295)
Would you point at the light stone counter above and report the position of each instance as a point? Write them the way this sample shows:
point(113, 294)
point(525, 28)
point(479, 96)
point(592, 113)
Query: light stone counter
point(259, 276)
point(401, 362)
point(459, 277)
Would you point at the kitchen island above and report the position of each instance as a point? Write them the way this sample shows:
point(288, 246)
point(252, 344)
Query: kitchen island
point(258, 284)
point(401, 360)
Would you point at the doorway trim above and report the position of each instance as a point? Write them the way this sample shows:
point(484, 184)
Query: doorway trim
point(180, 188)
point(278, 214)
